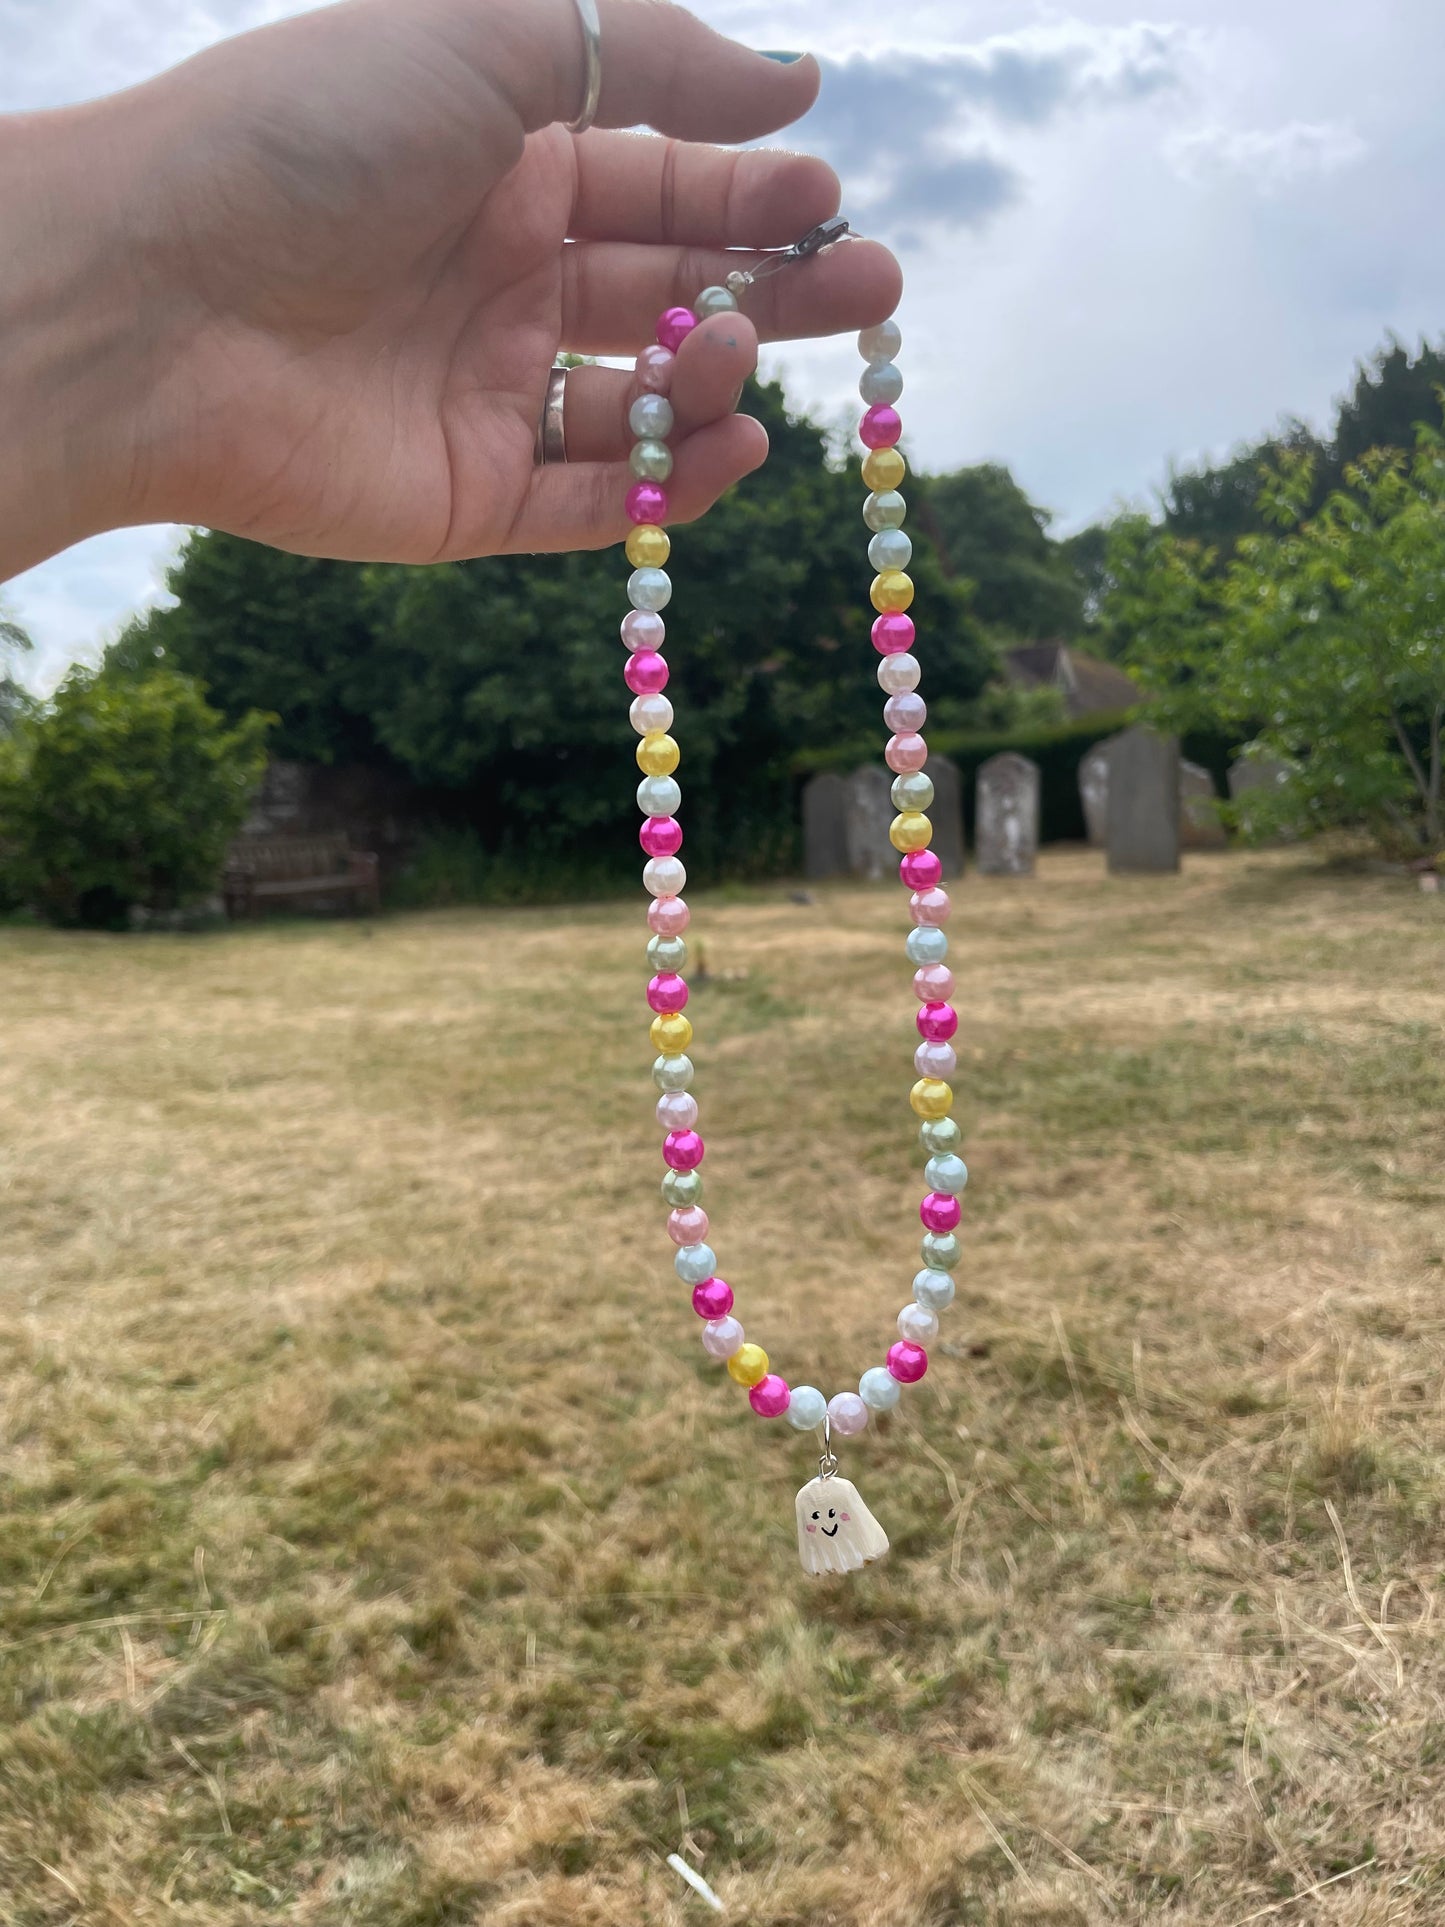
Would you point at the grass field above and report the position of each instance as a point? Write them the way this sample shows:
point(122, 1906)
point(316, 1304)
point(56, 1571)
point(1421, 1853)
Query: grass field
point(379, 1547)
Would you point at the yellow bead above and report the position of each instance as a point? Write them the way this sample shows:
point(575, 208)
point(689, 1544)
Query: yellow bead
point(671, 1034)
point(931, 1097)
point(648, 546)
point(883, 468)
point(658, 755)
point(748, 1365)
point(910, 831)
point(892, 592)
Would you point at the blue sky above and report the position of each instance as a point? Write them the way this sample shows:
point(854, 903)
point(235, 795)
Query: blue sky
point(1130, 239)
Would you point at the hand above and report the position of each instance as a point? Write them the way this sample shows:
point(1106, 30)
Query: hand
point(354, 242)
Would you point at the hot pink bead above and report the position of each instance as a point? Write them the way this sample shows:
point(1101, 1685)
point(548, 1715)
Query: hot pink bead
point(661, 836)
point(654, 370)
point(643, 629)
point(668, 916)
point(893, 634)
point(907, 1362)
point(713, 1298)
point(920, 870)
point(880, 427)
point(667, 992)
point(933, 984)
point(905, 714)
point(682, 1150)
point(937, 1022)
point(646, 502)
point(930, 908)
point(769, 1398)
point(939, 1211)
point(674, 325)
point(646, 673)
point(905, 754)
point(688, 1226)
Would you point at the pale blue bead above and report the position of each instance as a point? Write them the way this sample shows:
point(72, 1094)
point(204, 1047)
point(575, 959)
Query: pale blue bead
point(940, 1136)
point(650, 461)
point(946, 1173)
point(882, 383)
point(886, 509)
point(650, 418)
point(714, 301)
point(682, 1189)
point(941, 1250)
point(927, 946)
point(673, 1073)
point(693, 1263)
point(806, 1407)
point(659, 795)
point(667, 953)
point(881, 343)
point(933, 1290)
point(890, 549)
point(912, 791)
point(649, 589)
point(879, 1389)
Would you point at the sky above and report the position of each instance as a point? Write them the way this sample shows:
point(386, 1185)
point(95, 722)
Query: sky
point(1131, 240)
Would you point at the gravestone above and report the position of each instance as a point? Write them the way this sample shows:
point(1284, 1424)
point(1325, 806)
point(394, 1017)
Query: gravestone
point(1143, 833)
point(1007, 833)
point(1253, 773)
point(825, 827)
point(946, 812)
point(1200, 827)
point(1094, 792)
point(867, 818)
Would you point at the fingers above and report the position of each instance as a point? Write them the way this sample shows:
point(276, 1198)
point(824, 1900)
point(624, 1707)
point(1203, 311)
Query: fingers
point(634, 187)
point(613, 292)
point(712, 365)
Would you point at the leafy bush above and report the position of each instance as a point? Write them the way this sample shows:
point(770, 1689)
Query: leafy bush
point(123, 794)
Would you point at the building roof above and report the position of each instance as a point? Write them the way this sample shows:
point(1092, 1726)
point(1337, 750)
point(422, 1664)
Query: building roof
point(1090, 687)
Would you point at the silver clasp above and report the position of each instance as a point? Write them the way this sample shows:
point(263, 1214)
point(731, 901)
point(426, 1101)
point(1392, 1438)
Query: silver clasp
point(828, 1464)
point(813, 242)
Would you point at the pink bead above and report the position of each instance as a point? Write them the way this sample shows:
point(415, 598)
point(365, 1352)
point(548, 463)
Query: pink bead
point(661, 836)
point(893, 634)
point(654, 370)
point(905, 754)
point(646, 502)
point(937, 1022)
point(935, 1060)
point(880, 427)
point(847, 1414)
point(770, 1396)
point(920, 870)
point(682, 1150)
point(668, 916)
point(933, 984)
point(667, 992)
point(907, 1362)
point(677, 1110)
point(688, 1226)
point(905, 715)
point(646, 673)
point(674, 325)
point(643, 629)
point(930, 908)
point(713, 1298)
point(940, 1212)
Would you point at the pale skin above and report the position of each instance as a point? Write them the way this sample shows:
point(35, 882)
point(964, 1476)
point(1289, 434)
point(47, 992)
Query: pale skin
point(307, 287)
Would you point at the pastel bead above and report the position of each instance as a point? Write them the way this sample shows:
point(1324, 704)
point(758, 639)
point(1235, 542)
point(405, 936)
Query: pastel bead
point(650, 715)
point(890, 549)
point(881, 382)
point(940, 1135)
point(650, 461)
point(891, 593)
point(880, 343)
point(674, 325)
point(648, 588)
point(689, 1227)
point(806, 1408)
point(683, 1150)
point(880, 427)
point(933, 1290)
point(673, 1073)
point(677, 1110)
point(648, 547)
point(664, 876)
point(910, 831)
point(935, 1060)
point(643, 629)
point(847, 1414)
point(713, 1298)
point(933, 984)
point(897, 675)
point(748, 1365)
point(937, 1022)
point(893, 633)
point(907, 1362)
point(668, 917)
point(721, 1337)
point(658, 795)
point(920, 870)
point(658, 754)
point(661, 836)
point(646, 502)
point(681, 1188)
point(667, 992)
point(883, 469)
point(940, 1250)
point(906, 713)
point(913, 791)
point(646, 673)
point(885, 509)
point(693, 1263)
point(671, 1034)
point(926, 945)
point(932, 907)
point(946, 1173)
point(713, 301)
point(939, 1212)
point(655, 367)
point(917, 1325)
point(769, 1397)
point(879, 1389)
point(931, 1097)
point(902, 753)
point(651, 418)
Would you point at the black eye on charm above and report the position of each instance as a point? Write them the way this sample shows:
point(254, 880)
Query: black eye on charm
point(815, 1515)
point(831, 1513)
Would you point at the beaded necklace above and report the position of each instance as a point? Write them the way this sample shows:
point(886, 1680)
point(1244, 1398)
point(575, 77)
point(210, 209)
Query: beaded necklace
point(836, 1531)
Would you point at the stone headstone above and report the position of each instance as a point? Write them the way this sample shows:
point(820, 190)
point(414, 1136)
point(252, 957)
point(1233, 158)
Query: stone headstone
point(1200, 827)
point(867, 818)
point(946, 811)
point(1252, 773)
point(1094, 792)
point(825, 827)
point(1143, 832)
point(1007, 833)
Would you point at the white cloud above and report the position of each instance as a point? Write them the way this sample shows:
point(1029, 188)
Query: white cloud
point(1270, 159)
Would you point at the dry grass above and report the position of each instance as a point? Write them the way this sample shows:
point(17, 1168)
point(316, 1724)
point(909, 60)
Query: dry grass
point(379, 1548)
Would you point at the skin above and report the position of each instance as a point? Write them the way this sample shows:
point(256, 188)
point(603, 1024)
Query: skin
point(308, 286)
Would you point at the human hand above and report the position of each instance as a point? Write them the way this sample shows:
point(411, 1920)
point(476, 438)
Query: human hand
point(355, 241)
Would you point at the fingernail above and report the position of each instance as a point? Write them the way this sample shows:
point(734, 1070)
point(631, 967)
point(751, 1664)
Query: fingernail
point(788, 60)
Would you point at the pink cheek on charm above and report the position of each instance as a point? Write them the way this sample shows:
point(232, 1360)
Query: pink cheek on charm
point(812, 1528)
point(846, 1517)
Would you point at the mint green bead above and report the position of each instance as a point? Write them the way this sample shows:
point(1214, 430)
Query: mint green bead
point(885, 509)
point(681, 1189)
point(650, 461)
point(913, 791)
point(879, 1390)
point(714, 301)
point(941, 1250)
point(940, 1136)
point(666, 953)
point(946, 1173)
point(673, 1073)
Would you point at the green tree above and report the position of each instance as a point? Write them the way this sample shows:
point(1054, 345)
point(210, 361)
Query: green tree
point(16, 701)
point(990, 534)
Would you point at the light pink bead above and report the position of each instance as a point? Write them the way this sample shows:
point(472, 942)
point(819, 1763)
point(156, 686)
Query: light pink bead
point(933, 983)
point(893, 634)
point(880, 427)
point(937, 1022)
point(677, 1110)
point(721, 1337)
point(646, 502)
point(907, 1362)
point(674, 325)
point(905, 714)
point(667, 992)
point(688, 1226)
point(905, 754)
point(847, 1414)
point(682, 1150)
point(668, 916)
point(646, 673)
point(643, 629)
point(940, 1212)
point(920, 870)
point(713, 1298)
point(935, 1060)
point(661, 836)
point(654, 370)
point(930, 908)
point(769, 1397)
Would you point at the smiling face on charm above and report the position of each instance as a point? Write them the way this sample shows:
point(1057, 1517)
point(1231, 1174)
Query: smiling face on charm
point(827, 1519)
point(836, 1531)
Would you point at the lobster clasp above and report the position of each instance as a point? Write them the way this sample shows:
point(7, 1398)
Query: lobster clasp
point(813, 242)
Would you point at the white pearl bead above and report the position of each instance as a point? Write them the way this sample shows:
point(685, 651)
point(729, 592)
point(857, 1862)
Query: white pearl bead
point(898, 676)
point(660, 796)
point(879, 1389)
point(677, 1111)
point(806, 1408)
point(649, 589)
point(664, 876)
point(881, 343)
point(651, 418)
point(649, 713)
point(890, 549)
point(881, 384)
point(917, 1325)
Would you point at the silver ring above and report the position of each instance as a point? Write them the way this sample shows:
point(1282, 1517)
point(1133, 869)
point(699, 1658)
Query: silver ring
point(592, 41)
point(551, 443)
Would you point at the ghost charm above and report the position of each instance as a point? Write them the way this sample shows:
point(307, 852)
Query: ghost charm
point(836, 1531)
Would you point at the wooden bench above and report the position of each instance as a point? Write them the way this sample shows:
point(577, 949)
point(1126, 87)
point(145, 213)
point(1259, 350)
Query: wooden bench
point(271, 869)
